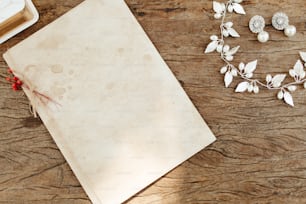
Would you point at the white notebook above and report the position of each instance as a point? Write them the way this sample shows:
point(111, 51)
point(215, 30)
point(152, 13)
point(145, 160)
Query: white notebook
point(121, 119)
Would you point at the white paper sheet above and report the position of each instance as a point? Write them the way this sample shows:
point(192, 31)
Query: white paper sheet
point(123, 120)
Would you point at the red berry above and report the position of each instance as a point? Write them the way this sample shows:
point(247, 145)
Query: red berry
point(16, 78)
point(19, 83)
point(10, 70)
point(8, 79)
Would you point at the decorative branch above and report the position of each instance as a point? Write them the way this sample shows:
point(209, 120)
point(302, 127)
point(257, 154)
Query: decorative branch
point(19, 82)
point(246, 71)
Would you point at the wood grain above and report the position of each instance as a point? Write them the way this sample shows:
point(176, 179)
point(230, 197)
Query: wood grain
point(260, 153)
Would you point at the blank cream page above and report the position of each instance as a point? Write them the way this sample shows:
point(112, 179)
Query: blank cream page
point(121, 119)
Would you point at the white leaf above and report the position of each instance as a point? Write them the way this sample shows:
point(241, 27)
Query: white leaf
point(242, 87)
point(292, 88)
point(228, 79)
point(217, 7)
point(278, 79)
point(238, 8)
point(233, 51)
point(292, 73)
point(250, 67)
point(299, 69)
point(303, 56)
point(211, 47)
point(233, 32)
point(288, 99)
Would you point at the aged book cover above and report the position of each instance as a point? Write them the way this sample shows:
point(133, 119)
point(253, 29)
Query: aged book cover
point(121, 119)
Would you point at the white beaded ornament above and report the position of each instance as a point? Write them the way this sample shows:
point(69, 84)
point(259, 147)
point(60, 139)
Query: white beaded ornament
point(280, 21)
point(257, 25)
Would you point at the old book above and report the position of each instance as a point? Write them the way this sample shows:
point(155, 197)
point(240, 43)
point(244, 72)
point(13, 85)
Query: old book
point(121, 119)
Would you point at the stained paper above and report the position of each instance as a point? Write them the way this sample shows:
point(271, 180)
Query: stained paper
point(121, 119)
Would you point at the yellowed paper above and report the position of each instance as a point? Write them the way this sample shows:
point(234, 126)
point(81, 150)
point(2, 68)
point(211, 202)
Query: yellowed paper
point(124, 120)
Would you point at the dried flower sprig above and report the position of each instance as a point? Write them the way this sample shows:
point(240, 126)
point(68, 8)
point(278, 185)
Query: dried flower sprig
point(17, 85)
point(246, 71)
point(15, 81)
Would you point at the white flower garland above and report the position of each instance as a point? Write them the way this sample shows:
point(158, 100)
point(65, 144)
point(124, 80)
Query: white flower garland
point(246, 71)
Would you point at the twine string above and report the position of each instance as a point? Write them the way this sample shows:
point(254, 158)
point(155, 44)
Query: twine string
point(26, 84)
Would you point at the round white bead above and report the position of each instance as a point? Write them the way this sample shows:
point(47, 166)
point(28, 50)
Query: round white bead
point(268, 78)
point(229, 58)
point(218, 15)
point(226, 48)
point(256, 89)
point(280, 95)
point(290, 31)
point(229, 24)
point(263, 37)
point(241, 66)
point(219, 48)
point(234, 72)
point(214, 38)
point(250, 88)
point(225, 33)
point(223, 70)
point(230, 8)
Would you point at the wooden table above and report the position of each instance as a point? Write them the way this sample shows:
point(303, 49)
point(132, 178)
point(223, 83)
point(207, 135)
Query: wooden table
point(260, 155)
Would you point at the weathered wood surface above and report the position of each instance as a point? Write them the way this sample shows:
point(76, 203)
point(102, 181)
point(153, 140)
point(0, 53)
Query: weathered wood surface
point(260, 155)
